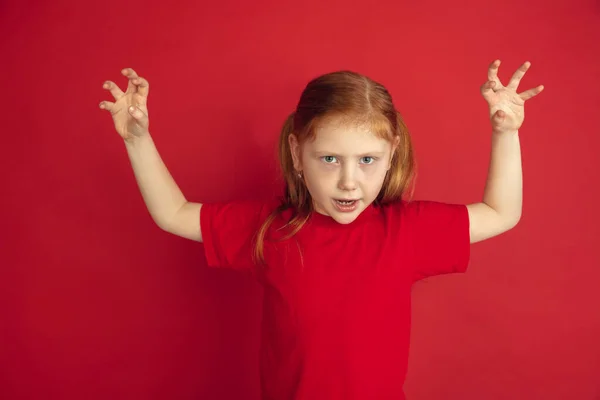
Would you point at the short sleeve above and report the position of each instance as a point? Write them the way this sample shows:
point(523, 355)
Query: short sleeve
point(228, 232)
point(440, 237)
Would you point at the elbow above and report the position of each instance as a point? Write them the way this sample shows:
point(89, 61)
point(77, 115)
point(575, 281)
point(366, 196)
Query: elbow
point(181, 218)
point(167, 224)
point(507, 219)
point(512, 221)
point(164, 222)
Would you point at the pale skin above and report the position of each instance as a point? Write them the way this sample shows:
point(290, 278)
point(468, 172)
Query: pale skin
point(167, 205)
point(344, 162)
point(499, 211)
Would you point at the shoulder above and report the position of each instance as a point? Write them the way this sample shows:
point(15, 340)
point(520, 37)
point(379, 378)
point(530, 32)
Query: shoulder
point(229, 227)
point(422, 207)
point(241, 215)
point(242, 208)
point(426, 212)
point(437, 234)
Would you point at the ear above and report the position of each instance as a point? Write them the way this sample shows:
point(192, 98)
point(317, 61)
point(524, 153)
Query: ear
point(295, 151)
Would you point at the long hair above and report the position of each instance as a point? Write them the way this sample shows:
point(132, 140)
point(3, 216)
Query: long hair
point(357, 99)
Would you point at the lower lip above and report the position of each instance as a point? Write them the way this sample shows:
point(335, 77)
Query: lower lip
point(346, 208)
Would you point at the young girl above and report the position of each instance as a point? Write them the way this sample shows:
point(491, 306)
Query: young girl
point(337, 255)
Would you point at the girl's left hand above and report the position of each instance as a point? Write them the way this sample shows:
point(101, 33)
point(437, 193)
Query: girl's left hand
point(507, 109)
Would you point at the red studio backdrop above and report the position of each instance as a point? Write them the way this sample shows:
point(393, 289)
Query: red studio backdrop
point(96, 302)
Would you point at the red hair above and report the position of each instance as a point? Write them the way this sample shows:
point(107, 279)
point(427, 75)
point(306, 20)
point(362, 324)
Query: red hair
point(356, 99)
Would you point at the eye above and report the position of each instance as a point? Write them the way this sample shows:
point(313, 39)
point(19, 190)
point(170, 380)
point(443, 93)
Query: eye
point(329, 159)
point(368, 160)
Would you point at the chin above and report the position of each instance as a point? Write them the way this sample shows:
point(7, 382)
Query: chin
point(345, 219)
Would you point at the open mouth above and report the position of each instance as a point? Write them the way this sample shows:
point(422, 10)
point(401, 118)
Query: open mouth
point(345, 202)
point(346, 205)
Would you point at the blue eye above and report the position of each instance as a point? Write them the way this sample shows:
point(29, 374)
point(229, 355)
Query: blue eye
point(329, 159)
point(368, 160)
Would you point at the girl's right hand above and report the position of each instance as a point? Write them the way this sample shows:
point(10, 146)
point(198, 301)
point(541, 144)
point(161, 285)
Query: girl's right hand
point(129, 111)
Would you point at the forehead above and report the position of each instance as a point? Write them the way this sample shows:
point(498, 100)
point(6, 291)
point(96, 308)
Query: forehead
point(342, 137)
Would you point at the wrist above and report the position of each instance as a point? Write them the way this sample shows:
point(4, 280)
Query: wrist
point(505, 133)
point(137, 140)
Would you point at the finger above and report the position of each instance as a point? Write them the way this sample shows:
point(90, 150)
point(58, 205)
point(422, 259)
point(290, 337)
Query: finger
point(138, 114)
point(493, 74)
point(487, 90)
point(114, 89)
point(106, 105)
point(528, 94)
point(142, 86)
point(130, 74)
point(498, 118)
point(519, 73)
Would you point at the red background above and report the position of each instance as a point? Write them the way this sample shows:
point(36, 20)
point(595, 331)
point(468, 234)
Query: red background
point(96, 302)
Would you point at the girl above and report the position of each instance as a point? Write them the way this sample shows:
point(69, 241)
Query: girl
point(337, 255)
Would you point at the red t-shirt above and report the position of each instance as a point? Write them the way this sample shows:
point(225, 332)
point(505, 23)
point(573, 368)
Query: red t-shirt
point(336, 311)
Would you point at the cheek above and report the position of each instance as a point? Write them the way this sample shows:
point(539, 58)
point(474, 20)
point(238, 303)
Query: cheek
point(320, 179)
point(320, 171)
point(317, 178)
point(375, 173)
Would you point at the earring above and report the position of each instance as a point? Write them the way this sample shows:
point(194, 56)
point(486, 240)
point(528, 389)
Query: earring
point(300, 175)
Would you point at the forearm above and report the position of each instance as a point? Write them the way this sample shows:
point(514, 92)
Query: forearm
point(504, 186)
point(161, 194)
point(500, 209)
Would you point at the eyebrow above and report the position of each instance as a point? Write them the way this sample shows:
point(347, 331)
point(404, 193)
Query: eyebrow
point(366, 154)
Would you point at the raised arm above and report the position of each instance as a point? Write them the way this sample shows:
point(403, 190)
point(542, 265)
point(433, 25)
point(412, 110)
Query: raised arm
point(500, 209)
point(164, 200)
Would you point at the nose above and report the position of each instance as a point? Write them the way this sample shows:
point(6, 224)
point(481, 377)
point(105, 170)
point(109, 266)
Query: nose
point(347, 179)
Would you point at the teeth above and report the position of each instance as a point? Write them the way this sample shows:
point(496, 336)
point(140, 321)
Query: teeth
point(345, 202)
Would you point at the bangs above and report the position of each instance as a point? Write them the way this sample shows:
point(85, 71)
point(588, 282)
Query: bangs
point(375, 123)
point(380, 126)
